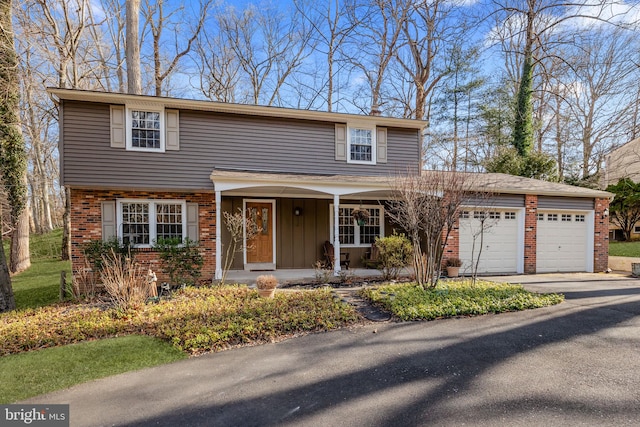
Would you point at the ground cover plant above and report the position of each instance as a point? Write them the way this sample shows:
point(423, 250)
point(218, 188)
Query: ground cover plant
point(56, 368)
point(631, 249)
point(195, 320)
point(455, 298)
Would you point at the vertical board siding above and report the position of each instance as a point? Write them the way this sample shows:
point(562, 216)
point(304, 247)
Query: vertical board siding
point(213, 140)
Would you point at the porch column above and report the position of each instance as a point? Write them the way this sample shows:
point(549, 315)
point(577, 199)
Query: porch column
point(336, 234)
point(218, 235)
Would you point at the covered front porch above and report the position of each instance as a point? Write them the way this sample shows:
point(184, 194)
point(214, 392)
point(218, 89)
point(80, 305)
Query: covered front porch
point(297, 214)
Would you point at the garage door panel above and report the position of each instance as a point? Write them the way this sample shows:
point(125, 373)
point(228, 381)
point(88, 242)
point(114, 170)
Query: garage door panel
point(499, 242)
point(562, 241)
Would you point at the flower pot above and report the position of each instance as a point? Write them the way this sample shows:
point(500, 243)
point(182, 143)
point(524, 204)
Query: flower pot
point(267, 293)
point(453, 271)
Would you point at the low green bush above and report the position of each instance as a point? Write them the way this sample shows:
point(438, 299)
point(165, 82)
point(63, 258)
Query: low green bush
point(394, 253)
point(459, 298)
point(194, 320)
point(181, 260)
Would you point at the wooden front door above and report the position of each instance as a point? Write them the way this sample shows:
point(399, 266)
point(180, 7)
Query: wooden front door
point(260, 247)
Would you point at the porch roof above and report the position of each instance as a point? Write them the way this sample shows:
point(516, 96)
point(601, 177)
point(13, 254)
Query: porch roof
point(274, 184)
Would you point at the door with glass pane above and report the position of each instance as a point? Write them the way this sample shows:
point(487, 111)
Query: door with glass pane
point(260, 247)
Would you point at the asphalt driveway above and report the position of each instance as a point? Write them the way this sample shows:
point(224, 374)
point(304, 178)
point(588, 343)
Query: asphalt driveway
point(577, 363)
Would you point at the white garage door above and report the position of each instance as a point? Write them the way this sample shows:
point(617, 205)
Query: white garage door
point(500, 252)
point(562, 241)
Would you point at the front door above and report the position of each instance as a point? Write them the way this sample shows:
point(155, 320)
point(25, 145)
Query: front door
point(260, 247)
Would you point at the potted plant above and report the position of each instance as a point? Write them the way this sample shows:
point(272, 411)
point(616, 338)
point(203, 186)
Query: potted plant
point(266, 284)
point(453, 267)
point(360, 215)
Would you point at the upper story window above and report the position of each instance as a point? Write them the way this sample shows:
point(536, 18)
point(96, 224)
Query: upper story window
point(145, 129)
point(361, 144)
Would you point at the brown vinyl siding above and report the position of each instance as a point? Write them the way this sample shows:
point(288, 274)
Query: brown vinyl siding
point(213, 140)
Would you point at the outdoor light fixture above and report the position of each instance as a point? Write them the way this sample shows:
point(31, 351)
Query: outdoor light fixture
point(605, 213)
point(297, 211)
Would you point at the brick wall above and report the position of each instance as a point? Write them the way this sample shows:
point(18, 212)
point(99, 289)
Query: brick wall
point(86, 224)
point(601, 236)
point(452, 245)
point(530, 233)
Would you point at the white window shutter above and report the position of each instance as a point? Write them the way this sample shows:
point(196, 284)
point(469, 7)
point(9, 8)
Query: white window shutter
point(172, 130)
point(109, 228)
point(118, 124)
point(341, 142)
point(192, 222)
point(381, 145)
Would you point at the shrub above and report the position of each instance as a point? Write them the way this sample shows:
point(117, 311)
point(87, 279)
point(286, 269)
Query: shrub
point(395, 253)
point(321, 273)
point(126, 282)
point(266, 281)
point(182, 261)
point(95, 251)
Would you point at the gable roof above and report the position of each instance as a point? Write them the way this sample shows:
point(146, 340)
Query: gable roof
point(223, 107)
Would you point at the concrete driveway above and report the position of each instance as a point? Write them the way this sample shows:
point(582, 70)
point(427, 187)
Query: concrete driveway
point(577, 363)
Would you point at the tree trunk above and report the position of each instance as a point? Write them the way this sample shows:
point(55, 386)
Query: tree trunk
point(132, 49)
point(66, 220)
point(19, 256)
point(7, 301)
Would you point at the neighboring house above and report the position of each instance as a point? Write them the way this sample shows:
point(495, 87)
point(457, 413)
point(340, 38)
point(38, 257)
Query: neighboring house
point(623, 162)
point(143, 167)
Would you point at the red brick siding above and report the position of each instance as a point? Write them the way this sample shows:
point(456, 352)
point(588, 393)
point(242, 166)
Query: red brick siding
point(452, 245)
point(601, 236)
point(530, 233)
point(86, 223)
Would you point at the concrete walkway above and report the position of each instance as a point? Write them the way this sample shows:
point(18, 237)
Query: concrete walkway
point(572, 364)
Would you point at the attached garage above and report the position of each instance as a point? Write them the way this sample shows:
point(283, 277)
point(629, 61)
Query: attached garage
point(500, 234)
point(565, 236)
point(532, 226)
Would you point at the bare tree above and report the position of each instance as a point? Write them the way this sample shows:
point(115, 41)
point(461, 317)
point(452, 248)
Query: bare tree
point(268, 47)
point(159, 21)
point(378, 28)
point(427, 206)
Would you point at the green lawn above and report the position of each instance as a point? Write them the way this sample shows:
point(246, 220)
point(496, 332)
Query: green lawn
point(40, 284)
point(37, 372)
point(631, 249)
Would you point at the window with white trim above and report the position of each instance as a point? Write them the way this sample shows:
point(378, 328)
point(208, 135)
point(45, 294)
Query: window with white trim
point(552, 217)
point(464, 215)
point(636, 229)
point(566, 217)
point(354, 234)
point(540, 217)
point(494, 215)
point(145, 129)
point(361, 144)
point(579, 217)
point(143, 222)
point(509, 215)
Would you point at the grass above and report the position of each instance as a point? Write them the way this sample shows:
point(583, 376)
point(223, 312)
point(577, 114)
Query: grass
point(40, 284)
point(61, 367)
point(456, 298)
point(631, 249)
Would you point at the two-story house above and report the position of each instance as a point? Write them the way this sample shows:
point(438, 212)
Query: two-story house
point(142, 168)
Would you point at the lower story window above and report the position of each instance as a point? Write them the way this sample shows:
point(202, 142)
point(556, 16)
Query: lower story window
point(143, 222)
point(352, 233)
